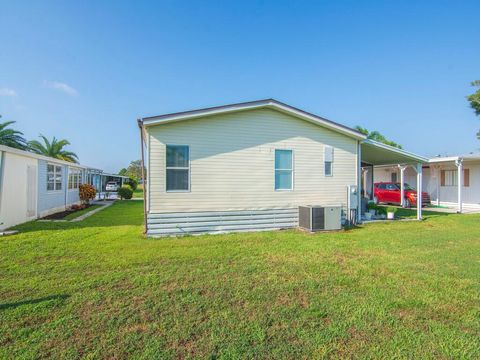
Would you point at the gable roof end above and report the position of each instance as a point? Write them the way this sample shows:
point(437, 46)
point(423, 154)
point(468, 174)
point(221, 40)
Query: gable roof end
point(258, 104)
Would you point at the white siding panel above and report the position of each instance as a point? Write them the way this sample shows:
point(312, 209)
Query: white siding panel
point(232, 162)
point(14, 190)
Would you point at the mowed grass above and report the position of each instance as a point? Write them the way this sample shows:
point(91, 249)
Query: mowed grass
point(99, 289)
point(138, 192)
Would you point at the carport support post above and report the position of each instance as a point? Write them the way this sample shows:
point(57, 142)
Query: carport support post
point(402, 185)
point(418, 168)
point(459, 164)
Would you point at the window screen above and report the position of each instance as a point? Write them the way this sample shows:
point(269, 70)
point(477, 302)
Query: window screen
point(283, 170)
point(178, 168)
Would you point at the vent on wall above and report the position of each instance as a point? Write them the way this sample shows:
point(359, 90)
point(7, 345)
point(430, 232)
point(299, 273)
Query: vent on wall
point(319, 218)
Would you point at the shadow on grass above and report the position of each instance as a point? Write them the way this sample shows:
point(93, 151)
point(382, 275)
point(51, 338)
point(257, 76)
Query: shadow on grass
point(13, 305)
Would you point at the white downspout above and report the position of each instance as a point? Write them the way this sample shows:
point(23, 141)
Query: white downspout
point(364, 174)
point(459, 164)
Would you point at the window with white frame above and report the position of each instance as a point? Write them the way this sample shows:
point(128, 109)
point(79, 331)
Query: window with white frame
point(283, 169)
point(178, 168)
point(328, 160)
point(451, 178)
point(74, 178)
point(54, 177)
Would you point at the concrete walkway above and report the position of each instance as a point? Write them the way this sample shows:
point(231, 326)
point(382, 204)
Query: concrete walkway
point(104, 205)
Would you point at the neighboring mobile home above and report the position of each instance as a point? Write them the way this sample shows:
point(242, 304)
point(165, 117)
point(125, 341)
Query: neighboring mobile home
point(248, 166)
point(33, 186)
point(452, 181)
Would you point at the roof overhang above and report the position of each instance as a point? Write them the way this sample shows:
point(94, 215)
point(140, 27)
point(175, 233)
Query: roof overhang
point(260, 104)
point(32, 155)
point(375, 153)
point(453, 159)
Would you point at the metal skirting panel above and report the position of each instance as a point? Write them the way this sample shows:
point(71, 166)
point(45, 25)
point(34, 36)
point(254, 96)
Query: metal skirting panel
point(216, 222)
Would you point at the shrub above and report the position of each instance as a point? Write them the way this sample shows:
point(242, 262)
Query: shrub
point(371, 206)
point(78, 207)
point(392, 209)
point(132, 183)
point(125, 192)
point(87, 192)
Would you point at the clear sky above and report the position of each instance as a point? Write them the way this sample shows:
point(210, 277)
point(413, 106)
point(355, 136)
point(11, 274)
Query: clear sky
point(86, 70)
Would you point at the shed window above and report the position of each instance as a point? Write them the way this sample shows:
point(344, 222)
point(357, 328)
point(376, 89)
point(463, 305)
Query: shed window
point(178, 168)
point(74, 178)
point(283, 170)
point(328, 159)
point(54, 177)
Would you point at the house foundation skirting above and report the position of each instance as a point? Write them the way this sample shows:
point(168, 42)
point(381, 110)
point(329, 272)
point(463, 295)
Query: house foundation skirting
point(466, 206)
point(217, 222)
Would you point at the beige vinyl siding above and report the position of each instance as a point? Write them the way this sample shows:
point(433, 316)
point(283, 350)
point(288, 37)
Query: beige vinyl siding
point(232, 158)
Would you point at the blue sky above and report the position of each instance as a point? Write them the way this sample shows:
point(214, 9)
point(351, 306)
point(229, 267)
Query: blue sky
point(86, 70)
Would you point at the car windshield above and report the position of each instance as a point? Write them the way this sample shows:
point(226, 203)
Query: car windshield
point(405, 186)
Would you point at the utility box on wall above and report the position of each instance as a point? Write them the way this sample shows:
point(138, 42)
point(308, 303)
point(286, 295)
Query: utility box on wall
point(319, 218)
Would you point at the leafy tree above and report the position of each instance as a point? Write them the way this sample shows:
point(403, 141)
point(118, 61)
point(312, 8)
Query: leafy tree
point(132, 183)
point(54, 149)
point(377, 136)
point(122, 172)
point(474, 99)
point(11, 137)
point(134, 170)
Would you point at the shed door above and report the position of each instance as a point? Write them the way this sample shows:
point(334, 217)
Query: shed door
point(31, 191)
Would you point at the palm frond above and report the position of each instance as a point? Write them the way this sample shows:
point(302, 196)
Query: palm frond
point(53, 148)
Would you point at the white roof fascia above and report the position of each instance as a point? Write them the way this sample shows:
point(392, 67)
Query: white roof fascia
point(29, 154)
point(242, 107)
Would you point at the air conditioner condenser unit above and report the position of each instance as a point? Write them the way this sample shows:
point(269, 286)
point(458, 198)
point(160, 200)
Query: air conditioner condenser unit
point(319, 218)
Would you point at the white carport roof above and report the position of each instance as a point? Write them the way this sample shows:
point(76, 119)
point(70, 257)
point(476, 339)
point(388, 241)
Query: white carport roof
point(375, 153)
point(446, 159)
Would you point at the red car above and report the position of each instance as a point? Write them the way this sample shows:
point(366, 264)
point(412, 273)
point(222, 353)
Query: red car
point(389, 192)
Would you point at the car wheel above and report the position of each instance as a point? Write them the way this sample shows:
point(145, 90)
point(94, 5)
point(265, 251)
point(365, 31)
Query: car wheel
point(407, 204)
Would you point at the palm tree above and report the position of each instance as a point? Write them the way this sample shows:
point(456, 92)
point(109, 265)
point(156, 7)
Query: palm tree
point(53, 149)
point(10, 137)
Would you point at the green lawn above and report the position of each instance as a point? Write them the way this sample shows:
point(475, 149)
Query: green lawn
point(138, 193)
point(98, 289)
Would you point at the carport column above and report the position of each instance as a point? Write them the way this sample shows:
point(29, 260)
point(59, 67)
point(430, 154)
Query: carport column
point(459, 164)
point(419, 191)
point(402, 185)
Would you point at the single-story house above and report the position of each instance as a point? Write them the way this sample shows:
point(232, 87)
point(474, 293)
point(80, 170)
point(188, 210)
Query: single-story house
point(33, 186)
point(452, 181)
point(249, 166)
